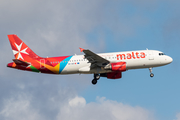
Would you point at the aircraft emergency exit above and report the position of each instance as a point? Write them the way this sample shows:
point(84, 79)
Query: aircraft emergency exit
point(110, 65)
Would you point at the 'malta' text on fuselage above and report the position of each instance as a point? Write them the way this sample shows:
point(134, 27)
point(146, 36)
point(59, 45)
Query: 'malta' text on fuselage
point(132, 55)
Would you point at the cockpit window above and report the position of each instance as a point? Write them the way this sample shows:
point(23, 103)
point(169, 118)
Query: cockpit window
point(161, 54)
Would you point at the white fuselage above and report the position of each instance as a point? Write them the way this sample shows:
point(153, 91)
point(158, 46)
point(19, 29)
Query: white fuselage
point(133, 59)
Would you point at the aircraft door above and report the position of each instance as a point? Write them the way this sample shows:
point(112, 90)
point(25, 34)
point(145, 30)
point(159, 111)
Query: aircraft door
point(151, 56)
point(42, 63)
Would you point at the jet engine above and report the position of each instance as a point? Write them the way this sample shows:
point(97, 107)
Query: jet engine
point(118, 66)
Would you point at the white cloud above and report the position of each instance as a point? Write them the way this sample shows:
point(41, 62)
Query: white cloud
point(77, 102)
point(178, 116)
point(77, 109)
point(19, 109)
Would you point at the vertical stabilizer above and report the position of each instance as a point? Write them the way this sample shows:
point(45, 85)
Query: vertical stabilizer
point(20, 50)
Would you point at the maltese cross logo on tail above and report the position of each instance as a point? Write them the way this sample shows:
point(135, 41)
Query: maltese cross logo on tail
point(19, 52)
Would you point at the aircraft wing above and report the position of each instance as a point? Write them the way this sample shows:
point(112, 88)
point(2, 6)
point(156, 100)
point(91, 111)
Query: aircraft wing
point(20, 62)
point(94, 59)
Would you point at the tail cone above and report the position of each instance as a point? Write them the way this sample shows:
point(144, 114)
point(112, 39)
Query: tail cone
point(10, 64)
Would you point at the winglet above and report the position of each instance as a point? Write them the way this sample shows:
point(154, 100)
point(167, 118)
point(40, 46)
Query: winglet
point(81, 49)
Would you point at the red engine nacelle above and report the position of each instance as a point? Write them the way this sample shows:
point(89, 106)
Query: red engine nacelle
point(117, 69)
point(119, 66)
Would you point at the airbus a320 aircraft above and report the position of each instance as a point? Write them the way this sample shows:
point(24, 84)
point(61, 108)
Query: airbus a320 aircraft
point(110, 65)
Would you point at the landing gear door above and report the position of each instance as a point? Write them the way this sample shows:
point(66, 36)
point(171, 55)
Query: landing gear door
point(42, 63)
point(151, 56)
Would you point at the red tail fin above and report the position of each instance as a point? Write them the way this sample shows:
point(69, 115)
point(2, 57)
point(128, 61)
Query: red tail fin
point(20, 49)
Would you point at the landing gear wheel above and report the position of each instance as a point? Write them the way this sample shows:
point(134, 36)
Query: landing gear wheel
point(94, 81)
point(151, 75)
point(96, 78)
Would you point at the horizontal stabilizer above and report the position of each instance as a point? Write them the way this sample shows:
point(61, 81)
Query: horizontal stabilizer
point(20, 62)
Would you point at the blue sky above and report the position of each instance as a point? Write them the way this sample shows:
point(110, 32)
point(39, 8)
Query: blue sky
point(55, 28)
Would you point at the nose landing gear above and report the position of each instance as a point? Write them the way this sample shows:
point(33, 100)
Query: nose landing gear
point(150, 70)
point(96, 78)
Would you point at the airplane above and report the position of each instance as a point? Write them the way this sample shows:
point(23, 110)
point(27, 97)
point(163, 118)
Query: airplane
point(109, 65)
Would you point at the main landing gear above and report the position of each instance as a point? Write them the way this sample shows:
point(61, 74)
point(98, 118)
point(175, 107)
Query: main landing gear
point(96, 78)
point(150, 70)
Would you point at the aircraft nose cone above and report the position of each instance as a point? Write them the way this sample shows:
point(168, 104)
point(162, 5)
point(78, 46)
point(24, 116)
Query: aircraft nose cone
point(169, 60)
